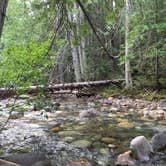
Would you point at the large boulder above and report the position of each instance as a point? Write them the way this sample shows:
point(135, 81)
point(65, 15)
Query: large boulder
point(159, 141)
point(7, 163)
point(141, 149)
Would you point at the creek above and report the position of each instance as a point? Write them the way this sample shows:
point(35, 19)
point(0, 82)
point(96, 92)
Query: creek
point(64, 137)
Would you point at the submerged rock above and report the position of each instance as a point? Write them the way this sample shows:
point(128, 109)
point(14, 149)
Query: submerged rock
point(159, 141)
point(104, 151)
point(108, 140)
point(81, 143)
point(81, 162)
point(125, 124)
point(90, 113)
point(141, 148)
point(68, 133)
point(56, 129)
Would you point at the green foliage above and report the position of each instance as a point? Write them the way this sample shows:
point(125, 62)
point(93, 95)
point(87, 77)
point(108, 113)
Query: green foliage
point(25, 65)
point(44, 102)
point(31, 26)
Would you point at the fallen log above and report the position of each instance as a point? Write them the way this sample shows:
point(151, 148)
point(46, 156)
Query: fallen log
point(58, 87)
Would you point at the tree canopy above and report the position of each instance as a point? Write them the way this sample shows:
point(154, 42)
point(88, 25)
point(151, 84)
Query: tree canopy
point(53, 41)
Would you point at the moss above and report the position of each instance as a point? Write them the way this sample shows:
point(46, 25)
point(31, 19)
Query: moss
point(1, 151)
point(21, 150)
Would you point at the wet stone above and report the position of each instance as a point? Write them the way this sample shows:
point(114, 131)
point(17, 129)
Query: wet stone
point(56, 129)
point(81, 143)
point(112, 146)
point(107, 140)
point(68, 133)
point(104, 151)
point(126, 124)
point(159, 141)
point(141, 148)
point(125, 159)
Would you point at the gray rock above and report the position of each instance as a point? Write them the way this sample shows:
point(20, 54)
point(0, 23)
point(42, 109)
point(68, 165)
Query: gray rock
point(90, 113)
point(162, 104)
point(26, 159)
point(159, 141)
point(16, 115)
point(141, 148)
point(125, 159)
point(81, 144)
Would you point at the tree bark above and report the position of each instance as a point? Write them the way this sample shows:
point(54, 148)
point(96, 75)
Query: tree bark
point(3, 7)
point(128, 78)
point(58, 87)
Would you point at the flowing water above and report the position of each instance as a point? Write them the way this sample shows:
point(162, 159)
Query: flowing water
point(63, 136)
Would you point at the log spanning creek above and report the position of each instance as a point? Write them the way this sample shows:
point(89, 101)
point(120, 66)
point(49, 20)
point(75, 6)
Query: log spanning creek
point(86, 131)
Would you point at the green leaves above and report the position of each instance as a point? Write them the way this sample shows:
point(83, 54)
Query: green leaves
point(25, 65)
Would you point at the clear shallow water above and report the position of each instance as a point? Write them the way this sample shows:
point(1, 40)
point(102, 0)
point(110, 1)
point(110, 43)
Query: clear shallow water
point(100, 139)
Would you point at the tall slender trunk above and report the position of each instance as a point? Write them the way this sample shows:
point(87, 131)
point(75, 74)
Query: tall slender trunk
point(128, 78)
point(3, 7)
point(156, 40)
point(78, 51)
point(82, 53)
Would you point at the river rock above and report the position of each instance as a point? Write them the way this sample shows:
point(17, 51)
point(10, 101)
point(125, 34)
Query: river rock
point(125, 159)
point(81, 144)
point(154, 114)
point(68, 133)
point(90, 113)
point(56, 129)
point(112, 146)
point(141, 148)
point(159, 141)
point(7, 163)
point(81, 162)
point(16, 115)
point(114, 109)
point(162, 104)
point(26, 159)
point(108, 140)
point(104, 151)
point(125, 124)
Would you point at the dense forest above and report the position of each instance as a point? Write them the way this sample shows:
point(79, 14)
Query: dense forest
point(82, 82)
point(47, 42)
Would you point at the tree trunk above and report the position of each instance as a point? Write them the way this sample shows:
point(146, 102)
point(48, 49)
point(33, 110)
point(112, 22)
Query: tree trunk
point(128, 78)
point(82, 53)
point(58, 87)
point(3, 7)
